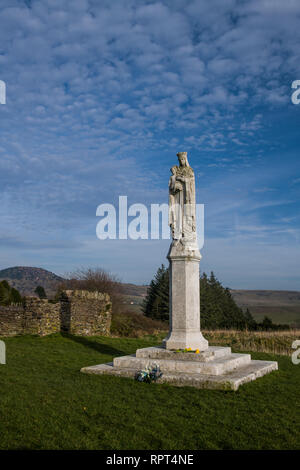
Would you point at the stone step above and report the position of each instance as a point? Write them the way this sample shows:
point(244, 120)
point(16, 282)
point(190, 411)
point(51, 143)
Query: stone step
point(229, 381)
point(213, 352)
point(215, 367)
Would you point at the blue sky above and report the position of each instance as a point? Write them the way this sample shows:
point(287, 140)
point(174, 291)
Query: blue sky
point(101, 95)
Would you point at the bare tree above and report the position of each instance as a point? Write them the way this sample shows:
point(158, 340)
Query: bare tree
point(95, 279)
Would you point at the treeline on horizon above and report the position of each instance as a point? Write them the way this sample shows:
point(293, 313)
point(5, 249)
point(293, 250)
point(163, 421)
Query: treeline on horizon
point(218, 308)
point(9, 295)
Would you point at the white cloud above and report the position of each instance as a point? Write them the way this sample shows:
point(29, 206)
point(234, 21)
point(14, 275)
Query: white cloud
point(100, 93)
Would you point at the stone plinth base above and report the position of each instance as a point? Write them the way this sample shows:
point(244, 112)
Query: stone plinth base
point(214, 368)
point(185, 339)
point(184, 299)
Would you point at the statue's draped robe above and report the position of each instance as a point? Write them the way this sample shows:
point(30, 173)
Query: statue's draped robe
point(182, 205)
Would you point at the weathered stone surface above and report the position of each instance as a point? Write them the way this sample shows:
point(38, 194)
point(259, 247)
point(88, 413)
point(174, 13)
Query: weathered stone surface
point(229, 381)
point(213, 352)
point(185, 304)
point(182, 203)
point(78, 312)
point(41, 317)
point(216, 368)
point(87, 313)
point(11, 320)
point(184, 258)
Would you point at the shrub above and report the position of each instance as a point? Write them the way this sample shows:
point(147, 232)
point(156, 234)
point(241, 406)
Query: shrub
point(132, 324)
point(9, 295)
point(94, 279)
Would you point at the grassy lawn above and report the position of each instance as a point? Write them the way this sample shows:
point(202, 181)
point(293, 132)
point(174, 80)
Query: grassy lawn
point(46, 403)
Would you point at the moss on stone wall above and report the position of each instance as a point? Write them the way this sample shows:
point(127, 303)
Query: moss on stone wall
point(77, 312)
point(11, 320)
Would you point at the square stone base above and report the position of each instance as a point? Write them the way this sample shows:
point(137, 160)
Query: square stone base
point(185, 339)
point(214, 368)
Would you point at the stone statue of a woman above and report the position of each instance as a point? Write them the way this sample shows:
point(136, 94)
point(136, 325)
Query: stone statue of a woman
point(182, 203)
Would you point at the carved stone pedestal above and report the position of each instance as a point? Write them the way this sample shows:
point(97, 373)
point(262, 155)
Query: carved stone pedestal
point(184, 299)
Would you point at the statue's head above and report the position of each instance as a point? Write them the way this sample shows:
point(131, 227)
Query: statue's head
point(182, 158)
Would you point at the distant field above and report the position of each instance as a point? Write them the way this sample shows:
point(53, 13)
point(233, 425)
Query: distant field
point(132, 303)
point(134, 290)
point(280, 306)
point(288, 315)
point(258, 298)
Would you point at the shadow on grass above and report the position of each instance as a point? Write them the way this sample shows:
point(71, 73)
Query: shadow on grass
point(100, 347)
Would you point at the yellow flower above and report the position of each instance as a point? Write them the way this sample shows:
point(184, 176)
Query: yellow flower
point(189, 349)
point(197, 351)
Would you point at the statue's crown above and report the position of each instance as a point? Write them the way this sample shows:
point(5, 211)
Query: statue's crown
point(179, 154)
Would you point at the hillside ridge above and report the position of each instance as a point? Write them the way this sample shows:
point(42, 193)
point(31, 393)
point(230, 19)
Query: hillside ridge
point(283, 306)
point(26, 278)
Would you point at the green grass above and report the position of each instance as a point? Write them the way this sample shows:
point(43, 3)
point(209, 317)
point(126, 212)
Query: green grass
point(46, 403)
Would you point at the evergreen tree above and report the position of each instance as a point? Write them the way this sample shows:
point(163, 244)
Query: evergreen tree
point(250, 322)
point(40, 291)
point(267, 324)
point(5, 284)
point(4, 293)
point(9, 295)
point(15, 296)
point(211, 310)
point(218, 308)
point(156, 303)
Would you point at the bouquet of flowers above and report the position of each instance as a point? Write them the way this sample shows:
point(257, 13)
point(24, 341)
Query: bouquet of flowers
point(149, 374)
point(190, 350)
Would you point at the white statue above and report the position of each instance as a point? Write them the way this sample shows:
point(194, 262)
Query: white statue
point(182, 202)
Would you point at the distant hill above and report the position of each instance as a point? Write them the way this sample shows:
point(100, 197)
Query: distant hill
point(280, 305)
point(260, 298)
point(25, 279)
point(134, 290)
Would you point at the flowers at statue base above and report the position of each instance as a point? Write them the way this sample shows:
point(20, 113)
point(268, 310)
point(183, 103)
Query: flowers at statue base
point(189, 350)
point(149, 374)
